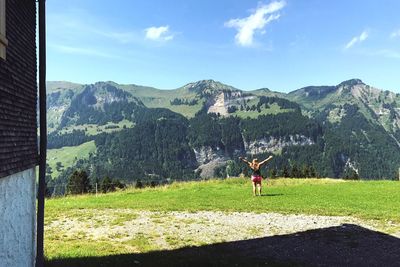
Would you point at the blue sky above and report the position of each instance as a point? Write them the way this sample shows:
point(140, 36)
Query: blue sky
point(281, 45)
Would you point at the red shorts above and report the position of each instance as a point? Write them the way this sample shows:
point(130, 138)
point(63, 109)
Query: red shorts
point(256, 179)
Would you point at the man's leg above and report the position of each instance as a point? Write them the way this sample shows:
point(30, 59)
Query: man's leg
point(259, 189)
point(254, 188)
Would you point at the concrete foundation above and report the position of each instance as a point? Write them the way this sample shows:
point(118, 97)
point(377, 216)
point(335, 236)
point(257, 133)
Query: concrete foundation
point(18, 219)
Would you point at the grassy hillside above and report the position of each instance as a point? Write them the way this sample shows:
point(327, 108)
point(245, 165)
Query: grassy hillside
point(52, 86)
point(67, 156)
point(94, 129)
point(156, 98)
point(93, 226)
point(272, 110)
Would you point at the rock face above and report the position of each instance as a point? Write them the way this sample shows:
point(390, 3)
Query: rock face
point(208, 169)
point(219, 105)
point(206, 154)
point(275, 144)
point(209, 159)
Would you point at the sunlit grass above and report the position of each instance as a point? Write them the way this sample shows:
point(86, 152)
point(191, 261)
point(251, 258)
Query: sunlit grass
point(68, 156)
point(363, 199)
point(94, 129)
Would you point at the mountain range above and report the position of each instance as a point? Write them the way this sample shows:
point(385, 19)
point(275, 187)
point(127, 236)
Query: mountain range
point(198, 130)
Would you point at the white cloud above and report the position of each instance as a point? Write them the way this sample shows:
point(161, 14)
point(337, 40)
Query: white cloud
point(395, 34)
point(363, 36)
point(161, 33)
point(257, 21)
point(357, 39)
point(351, 43)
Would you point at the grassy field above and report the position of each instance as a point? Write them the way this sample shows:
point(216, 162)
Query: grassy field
point(68, 155)
point(272, 110)
point(155, 98)
point(94, 129)
point(366, 200)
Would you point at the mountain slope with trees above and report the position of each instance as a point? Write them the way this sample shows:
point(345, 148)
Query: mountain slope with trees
point(350, 130)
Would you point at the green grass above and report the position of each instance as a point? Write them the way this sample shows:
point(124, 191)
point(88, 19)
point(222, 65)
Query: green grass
point(155, 98)
point(121, 218)
point(371, 200)
point(378, 200)
point(68, 155)
point(272, 110)
point(94, 129)
point(141, 243)
point(185, 110)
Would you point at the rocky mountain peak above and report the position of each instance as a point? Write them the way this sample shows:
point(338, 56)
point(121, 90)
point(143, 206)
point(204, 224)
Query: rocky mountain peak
point(208, 86)
point(358, 89)
point(315, 93)
point(351, 82)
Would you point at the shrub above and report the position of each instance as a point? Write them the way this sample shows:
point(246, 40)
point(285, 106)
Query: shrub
point(78, 183)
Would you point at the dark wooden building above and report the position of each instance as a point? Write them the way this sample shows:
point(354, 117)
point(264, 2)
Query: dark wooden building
point(18, 86)
point(18, 132)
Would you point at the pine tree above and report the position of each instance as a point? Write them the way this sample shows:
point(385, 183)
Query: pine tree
point(107, 185)
point(313, 173)
point(285, 172)
point(295, 172)
point(306, 171)
point(138, 184)
point(274, 173)
point(78, 183)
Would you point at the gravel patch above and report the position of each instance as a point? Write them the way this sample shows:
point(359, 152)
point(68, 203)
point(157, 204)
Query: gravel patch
point(170, 230)
point(214, 238)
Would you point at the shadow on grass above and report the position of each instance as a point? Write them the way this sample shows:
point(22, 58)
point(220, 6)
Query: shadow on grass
point(346, 245)
point(271, 195)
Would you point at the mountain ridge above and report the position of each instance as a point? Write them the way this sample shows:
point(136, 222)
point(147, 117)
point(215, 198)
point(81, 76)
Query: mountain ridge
point(59, 85)
point(377, 104)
